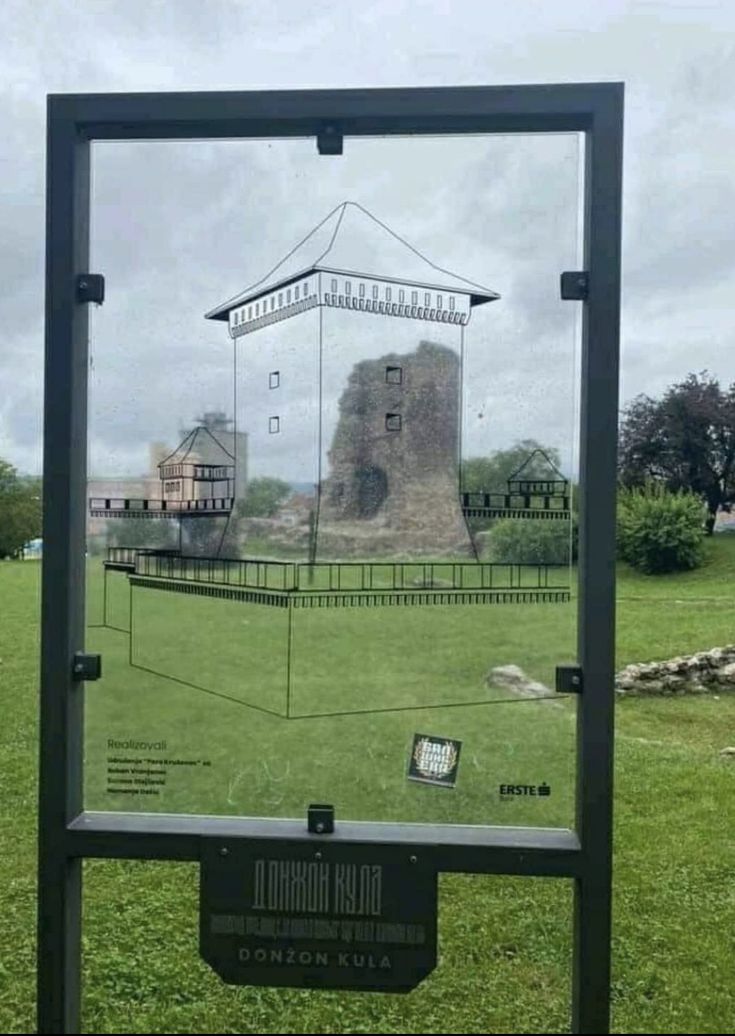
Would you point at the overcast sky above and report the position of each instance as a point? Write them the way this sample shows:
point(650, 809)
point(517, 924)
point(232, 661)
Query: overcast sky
point(180, 228)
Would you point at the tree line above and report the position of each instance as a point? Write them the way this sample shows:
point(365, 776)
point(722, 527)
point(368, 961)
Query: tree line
point(681, 442)
point(684, 441)
point(20, 510)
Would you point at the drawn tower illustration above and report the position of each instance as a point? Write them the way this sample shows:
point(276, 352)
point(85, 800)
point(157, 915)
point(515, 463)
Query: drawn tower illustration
point(348, 374)
point(347, 362)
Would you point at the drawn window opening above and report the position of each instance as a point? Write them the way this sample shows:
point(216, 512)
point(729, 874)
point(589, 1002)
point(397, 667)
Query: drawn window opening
point(274, 379)
point(274, 425)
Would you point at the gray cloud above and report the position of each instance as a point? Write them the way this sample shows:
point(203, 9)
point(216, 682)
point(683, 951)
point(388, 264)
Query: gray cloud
point(178, 227)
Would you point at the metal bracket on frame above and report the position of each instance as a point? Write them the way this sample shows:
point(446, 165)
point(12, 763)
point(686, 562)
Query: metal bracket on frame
point(329, 140)
point(86, 667)
point(91, 288)
point(569, 679)
point(320, 820)
point(575, 285)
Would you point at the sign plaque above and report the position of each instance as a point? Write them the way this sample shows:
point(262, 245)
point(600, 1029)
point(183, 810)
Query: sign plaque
point(337, 917)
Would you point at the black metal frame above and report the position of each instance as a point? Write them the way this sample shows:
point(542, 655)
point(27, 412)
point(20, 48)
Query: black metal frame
point(67, 834)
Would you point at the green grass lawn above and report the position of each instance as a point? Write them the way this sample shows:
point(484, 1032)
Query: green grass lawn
point(504, 943)
point(335, 724)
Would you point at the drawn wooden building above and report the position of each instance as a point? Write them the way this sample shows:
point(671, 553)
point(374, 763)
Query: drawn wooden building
point(196, 480)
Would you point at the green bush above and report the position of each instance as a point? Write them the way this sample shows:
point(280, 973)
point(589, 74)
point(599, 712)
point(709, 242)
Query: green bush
point(660, 531)
point(531, 541)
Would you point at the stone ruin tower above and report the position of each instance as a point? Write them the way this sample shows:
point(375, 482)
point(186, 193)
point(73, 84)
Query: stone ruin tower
point(348, 381)
point(392, 487)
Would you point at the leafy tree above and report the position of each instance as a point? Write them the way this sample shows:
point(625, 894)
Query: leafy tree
point(263, 497)
point(684, 441)
point(20, 510)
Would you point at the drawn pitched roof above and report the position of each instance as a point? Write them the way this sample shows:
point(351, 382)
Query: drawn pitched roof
point(551, 472)
point(350, 240)
point(200, 446)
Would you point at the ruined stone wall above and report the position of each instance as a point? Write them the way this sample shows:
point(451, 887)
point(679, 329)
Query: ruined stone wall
point(701, 673)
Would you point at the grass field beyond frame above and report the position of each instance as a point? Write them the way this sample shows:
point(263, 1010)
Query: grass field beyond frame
point(504, 943)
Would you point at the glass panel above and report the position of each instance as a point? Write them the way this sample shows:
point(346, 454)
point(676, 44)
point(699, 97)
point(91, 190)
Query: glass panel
point(331, 530)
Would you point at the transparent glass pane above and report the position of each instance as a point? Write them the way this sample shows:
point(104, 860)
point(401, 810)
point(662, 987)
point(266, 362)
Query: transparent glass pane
point(331, 532)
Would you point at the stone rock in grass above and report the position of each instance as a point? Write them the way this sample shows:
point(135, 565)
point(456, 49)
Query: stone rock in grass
point(513, 678)
point(507, 676)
